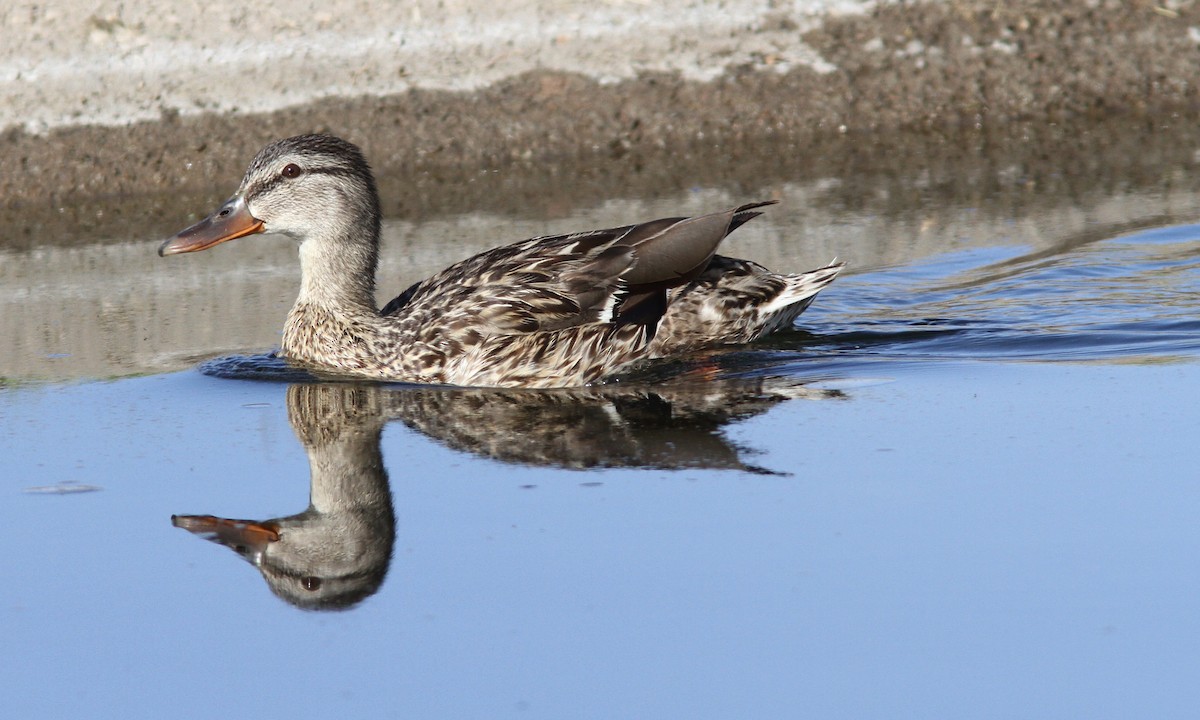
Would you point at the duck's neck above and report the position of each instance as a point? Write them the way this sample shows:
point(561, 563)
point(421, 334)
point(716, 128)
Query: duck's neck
point(338, 274)
point(340, 426)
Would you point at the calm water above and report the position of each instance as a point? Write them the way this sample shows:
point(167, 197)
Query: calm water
point(965, 487)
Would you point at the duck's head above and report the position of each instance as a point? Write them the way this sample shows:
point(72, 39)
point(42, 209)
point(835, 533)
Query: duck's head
point(307, 187)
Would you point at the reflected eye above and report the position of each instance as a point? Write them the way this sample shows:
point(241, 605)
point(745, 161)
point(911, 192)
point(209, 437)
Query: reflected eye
point(291, 170)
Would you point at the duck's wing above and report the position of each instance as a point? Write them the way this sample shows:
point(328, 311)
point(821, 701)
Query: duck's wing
point(560, 281)
point(543, 283)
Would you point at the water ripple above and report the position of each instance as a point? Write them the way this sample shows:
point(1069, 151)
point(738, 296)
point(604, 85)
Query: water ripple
point(1115, 298)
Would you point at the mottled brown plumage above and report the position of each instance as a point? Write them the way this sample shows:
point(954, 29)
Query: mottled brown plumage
point(555, 311)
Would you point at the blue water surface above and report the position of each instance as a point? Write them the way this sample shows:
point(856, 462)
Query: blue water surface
point(967, 489)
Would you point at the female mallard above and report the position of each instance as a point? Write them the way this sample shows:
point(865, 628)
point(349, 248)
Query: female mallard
point(556, 311)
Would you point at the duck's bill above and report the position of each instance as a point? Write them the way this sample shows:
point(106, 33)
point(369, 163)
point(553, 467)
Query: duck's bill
point(231, 221)
point(248, 538)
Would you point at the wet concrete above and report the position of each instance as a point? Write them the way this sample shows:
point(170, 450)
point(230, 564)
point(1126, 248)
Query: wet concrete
point(1012, 167)
point(935, 66)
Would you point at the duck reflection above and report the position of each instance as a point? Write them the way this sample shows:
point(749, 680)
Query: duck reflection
point(609, 426)
point(336, 552)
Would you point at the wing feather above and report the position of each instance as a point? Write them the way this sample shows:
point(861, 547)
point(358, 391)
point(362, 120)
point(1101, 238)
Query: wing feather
point(555, 282)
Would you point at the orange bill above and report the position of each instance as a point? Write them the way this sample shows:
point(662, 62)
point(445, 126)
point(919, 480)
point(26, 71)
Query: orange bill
point(232, 220)
point(247, 537)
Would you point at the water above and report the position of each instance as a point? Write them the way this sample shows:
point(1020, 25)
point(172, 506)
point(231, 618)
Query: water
point(1127, 298)
point(965, 486)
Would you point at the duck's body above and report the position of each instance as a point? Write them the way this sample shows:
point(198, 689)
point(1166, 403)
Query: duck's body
point(555, 311)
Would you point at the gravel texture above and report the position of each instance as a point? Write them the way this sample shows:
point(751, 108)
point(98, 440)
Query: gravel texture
point(109, 101)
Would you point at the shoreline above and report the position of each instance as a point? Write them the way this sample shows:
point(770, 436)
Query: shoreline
point(932, 67)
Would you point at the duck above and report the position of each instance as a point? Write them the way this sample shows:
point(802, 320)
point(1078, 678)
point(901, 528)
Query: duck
point(566, 310)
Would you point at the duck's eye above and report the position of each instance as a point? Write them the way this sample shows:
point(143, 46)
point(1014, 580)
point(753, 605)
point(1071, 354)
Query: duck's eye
point(291, 170)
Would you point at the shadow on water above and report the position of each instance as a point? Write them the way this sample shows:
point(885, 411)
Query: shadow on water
point(336, 552)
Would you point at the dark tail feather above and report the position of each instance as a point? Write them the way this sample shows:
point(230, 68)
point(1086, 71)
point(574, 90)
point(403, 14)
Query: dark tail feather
point(642, 308)
point(743, 214)
point(672, 252)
